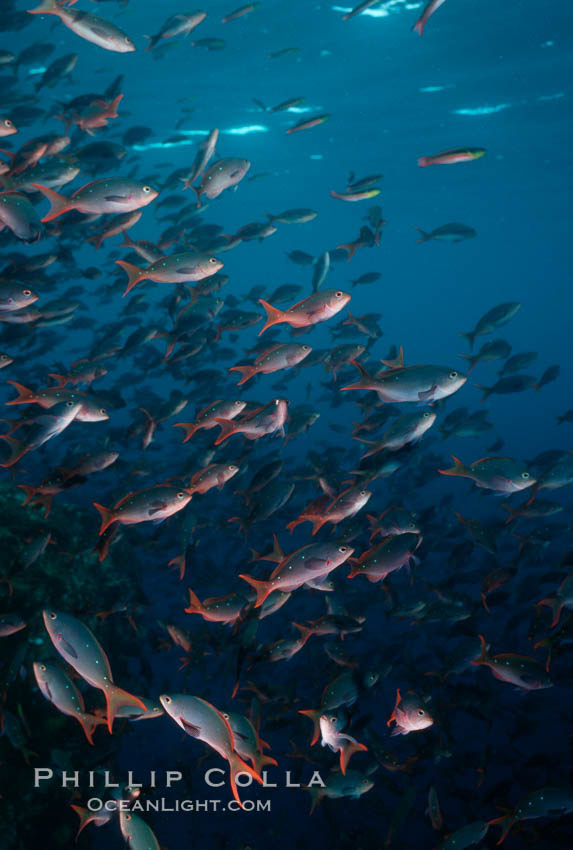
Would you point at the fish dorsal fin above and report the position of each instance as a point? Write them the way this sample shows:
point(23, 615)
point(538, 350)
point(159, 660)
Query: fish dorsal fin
point(397, 363)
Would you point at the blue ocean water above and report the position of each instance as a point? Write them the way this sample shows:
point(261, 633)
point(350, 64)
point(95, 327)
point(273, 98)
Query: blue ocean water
point(483, 75)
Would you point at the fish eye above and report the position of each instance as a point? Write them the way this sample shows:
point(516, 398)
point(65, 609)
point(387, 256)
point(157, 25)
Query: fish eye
point(363, 492)
point(338, 294)
point(3, 357)
point(333, 719)
point(52, 615)
point(525, 475)
point(213, 260)
point(127, 40)
point(305, 347)
point(70, 403)
point(277, 401)
point(145, 189)
point(43, 668)
point(411, 525)
point(426, 414)
point(421, 712)
point(27, 292)
point(453, 375)
point(167, 700)
point(237, 402)
point(103, 411)
point(343, 549)
point(232, 467)
point(8, 123)
point(180, 495)
point(128, 817)
point(226, 716)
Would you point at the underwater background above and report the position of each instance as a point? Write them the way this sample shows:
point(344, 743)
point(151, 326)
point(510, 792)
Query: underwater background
point(487, 80)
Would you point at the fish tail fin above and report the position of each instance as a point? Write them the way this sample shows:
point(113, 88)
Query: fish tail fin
point(116, 698)
point(198, 192)
point(347, 751)
point(24, 394)
point(228, 427)
point(133, 275)
point(128, 242)
point(458, 469)
point(513, 514)
point(61, 379)
point(534, 491)
point(262, 588)
point(274, 315)
point(316, 795)
point(107, 517)
point(59, 203)
point(178, 563)
point(366, 378)
point(244, 494)
point(244, 525)
point(506, 821)
point(37, 498)
point(195, 605)
point(265, 761)
point(236, 766)
point(190, 429)
point(556, 606)
point(317, 523)
point(112, 108)
point(46, 7)
point(484, 656)
point(247, 372)
point(485, 390)
point(314, 715)
point(85, 816)
point(29, 491)
point(376, 447)
point(349, 247)
point(355, 568)
point(367, 443)
point(149, 416)
point(306, 631)
point(89, 722)
point(424, 237)
point(152, 42)
point(17, 449)
point(419, 28)
point(484, 602)
point(472, 360)
point(97, 240)
point(470, 336)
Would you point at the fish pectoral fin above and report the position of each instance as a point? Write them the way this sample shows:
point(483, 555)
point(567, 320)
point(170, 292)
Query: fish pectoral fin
point(190, 728)
point(426, 395)
point(67, 647)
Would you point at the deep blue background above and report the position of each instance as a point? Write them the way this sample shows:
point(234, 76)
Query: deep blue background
point(501, 74)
